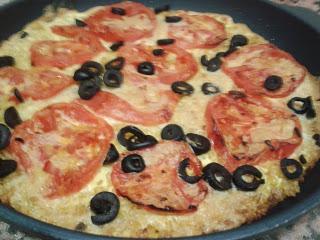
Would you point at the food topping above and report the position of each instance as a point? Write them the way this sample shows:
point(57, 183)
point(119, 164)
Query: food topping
point(12, 117)
point(118, 11)
point(88, 89)
point(113, 78)
point(158, 52)
point(80, 23)
point(6, 61)
point(209, 89)
point(182, 170)
point(247, 178)
point(182, 88)
point(273, 83)
point(18, 95)
point(198, 143)
point(112, 155)
point(115, 46)
point(173, 19)
point(7, 167)
point(302, 106)
point(93, 67)
point(146, 68)
point(167, 41)
point(291, 168)
point(172, 132)
point(132, 163)
point(5, 136)
point(116, 64)
point(217, 176)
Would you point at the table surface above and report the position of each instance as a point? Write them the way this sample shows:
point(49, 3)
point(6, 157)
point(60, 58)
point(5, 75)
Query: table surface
point(305, 228)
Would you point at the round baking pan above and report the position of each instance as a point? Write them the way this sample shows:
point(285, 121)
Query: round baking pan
point(295, 30)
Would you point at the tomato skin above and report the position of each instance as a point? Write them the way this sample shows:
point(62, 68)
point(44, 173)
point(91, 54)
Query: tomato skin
point(49, 134)
point(260, 62)
point(231, 119)
point(117, 33)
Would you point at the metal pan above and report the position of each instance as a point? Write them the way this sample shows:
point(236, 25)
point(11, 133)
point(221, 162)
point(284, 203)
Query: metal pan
point(295, 30)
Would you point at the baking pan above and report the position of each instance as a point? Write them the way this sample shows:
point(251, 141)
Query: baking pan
point(295, 30)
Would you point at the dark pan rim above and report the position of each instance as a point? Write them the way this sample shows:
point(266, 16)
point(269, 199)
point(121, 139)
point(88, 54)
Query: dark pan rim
point(257, 228)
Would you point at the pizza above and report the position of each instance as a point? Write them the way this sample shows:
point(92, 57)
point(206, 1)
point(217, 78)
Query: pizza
point(128, 121)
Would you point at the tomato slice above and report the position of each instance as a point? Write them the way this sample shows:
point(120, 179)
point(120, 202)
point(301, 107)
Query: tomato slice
point(175, 65)
point(159, 185)
point(65, 141)
point(138, 22)
point(61, 54)
point(37, 84)
point(251, 65)
point(250, 130)
point(197, 31)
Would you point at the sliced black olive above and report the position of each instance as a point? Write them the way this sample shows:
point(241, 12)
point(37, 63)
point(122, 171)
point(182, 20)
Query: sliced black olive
point(146, 68)
point(166, 41)
point(172, 132)
point(106, 205)
point(82, 75)
point(238, 41)
point(302, 159)
point(214, 64)
point(93, 67)
point(135, 143)
point(24, 34)
point(128, 132)
point(302, 105)
point(18, 95)
point(209, 89)
point(5, 136)
point(7, 167)
point(182, 170)
point(220, 54)
point(88, 89)
point(80, 23)
point(173, 19)
point(182, 88)
point(316, 137)
point(217, 176)
point(163, 8)
point(6, 61)
point(198, 143)
point(251, 172)
point(112, 155)
point(273, 83)
point(158, 52)
point(112, 78)
point(115, 46)
point(287, 165)
point(118, 11)
point(237, 94)
point(12, 117)
point(116, 64)
point(133, 163)
point(229, 51)
point(204, 60)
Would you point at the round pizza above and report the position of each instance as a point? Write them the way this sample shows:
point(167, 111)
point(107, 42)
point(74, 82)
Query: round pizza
point(129, 121)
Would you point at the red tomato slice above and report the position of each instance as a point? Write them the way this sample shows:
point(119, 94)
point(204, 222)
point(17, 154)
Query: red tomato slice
point(67, 142)
point(197, 31)
point(138, 22)
point(175, 65)
point(148, 112)
point(251, 65)
point(250, 130)
point(38, 83)
point(159, 185)
point(83, 47)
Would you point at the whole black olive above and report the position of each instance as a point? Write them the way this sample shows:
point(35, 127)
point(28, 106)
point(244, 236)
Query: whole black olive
point(112, 155)
point(128, 132)
point(250, 171)
point(5, 136)
point(167, 41)
point(217, 176)
point(135, 143)
point(112, 78)
point(88, 89)
point(132, 163)
point(287, 164)
point(118, 11)
point(182, 88)
point(92, 67)
point(214, 64)
point(182, 170)
point(115, 46)
point(173, 19)
point(80, 23)
point(116, 64)
point(6, 61)
point(209, 89)
point(158, 52)
point(238, 41)
point(82, 75)
point(163, 8)
point(7, 167)
point(198, 143)
point(172, 132)
point(273, 83)
point(12, 117)
point(106, 206)
point(18, 95)
point(146, 68)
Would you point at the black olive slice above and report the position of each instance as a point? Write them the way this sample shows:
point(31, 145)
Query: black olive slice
point(173, 19)
point(273, 83)
point(112, 78)
point(172, 132)
point(88, 89)
point(112, 155)
point(133, 163)
point(18, 95)
point(204, 60)
point(237, 94)
point(209, 89)
point(80, 23)
point(82, 75)
point(302, 105)
point(316, 137)
point(115, 46)
point(6, 61)
point(182, 88)
point(158, 52)
point(128, 132)
point(163, 8)
point(12, 117)
point(198, 143)
point(167, 41)
point(214, 64)
point(220, 55)
point(135, 143)
point(106, 205)
point(302, 159)
point(116, 64)
point(24, 34)
point(93, 67)
point(182, 170)
point(238, 41)
point(118, 11)
point(287, 165)
point(7, 167)
point(250, 171)
point(229, 51)
point(146, 68)
point(217, 176)
point(5, 136)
